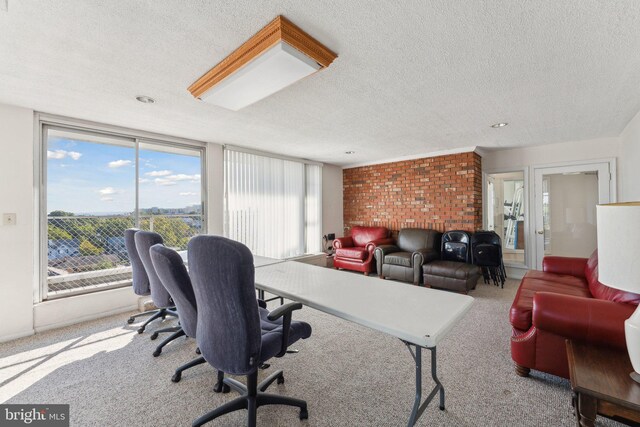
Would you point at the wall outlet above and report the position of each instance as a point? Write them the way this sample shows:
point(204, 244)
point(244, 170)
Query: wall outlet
point(9, 219)
point(331, 236)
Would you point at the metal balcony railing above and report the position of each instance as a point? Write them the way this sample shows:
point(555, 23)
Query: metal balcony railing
point(87, 253)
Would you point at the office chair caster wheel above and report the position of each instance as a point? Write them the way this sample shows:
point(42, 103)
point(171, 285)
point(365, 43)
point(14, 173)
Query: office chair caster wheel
point(264, 366)
point(441, 407)
point(176, 377)
point(304, 415)
point(154, 336)
point(198, 351)
point(157, 353)
point(140, 330)
point(281, 379)
point(221, 387)
point(130, 320)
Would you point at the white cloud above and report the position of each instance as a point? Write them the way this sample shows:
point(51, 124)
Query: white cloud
point(164, 181)
point(183, 177)
point(188, 193)
point(159, 173)
point(62, 154)
point(119, 163)
point(106, 199)
point(107, 191)
point(144, 180)
point(174, 179)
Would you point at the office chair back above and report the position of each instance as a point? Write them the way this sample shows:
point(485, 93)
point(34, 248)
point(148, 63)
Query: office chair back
point(229, 332)
point(139, 275)
point(455, 246)
point(170, 268)
point(144, 241)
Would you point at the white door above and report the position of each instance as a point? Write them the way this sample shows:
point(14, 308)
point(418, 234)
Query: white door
point(565, 208)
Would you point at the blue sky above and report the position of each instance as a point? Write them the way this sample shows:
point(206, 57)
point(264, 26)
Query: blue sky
point(87, 177)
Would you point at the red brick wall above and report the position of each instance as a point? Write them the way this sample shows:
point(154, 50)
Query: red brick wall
point(441, 193)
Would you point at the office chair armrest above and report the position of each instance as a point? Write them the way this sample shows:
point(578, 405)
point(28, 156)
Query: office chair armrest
point(261, 303)
point(285, 311)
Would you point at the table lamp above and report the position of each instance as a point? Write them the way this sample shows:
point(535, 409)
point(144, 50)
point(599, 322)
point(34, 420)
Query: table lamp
point(619, 263)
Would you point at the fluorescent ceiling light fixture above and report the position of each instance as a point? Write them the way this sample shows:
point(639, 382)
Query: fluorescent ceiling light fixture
point(277, 56)
point(499, 125)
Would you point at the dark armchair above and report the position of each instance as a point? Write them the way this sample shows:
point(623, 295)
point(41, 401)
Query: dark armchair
point(404, 260)
point(355, 252)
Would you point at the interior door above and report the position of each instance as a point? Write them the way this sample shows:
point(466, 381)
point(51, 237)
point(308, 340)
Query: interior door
point(565, 208)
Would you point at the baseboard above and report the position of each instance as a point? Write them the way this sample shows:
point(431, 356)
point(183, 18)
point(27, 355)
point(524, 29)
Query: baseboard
point(12, 337)
point(87, 318)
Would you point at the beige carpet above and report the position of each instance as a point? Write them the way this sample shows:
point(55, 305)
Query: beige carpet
point(349, 375)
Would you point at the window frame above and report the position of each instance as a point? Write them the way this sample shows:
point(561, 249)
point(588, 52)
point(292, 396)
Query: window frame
point(41, 122)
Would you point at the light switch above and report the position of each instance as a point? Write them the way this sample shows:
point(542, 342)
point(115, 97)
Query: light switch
point(9, 219)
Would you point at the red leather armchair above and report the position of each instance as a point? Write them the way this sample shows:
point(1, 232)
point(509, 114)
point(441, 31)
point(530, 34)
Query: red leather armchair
point(565, 301)
point(355, 252)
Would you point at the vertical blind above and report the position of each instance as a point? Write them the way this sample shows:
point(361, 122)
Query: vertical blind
point(272, 205)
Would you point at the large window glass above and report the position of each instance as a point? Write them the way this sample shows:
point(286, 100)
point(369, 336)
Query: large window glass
point(272, 205)
point(96, 186)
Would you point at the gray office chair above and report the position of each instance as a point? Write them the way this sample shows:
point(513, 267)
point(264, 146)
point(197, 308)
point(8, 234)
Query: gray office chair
point(161, 298)
point(231, 334)
point(171, 270)
point(140, 279)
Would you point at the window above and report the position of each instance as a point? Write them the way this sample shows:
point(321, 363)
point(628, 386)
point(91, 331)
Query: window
point(273, 205)
point(96, 185)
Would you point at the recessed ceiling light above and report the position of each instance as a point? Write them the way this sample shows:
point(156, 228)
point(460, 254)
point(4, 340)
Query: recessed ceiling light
point(349, 152)
point(499, 125)
point(145, 99)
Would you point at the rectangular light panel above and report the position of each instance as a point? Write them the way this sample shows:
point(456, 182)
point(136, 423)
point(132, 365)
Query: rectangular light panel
point(275, 69)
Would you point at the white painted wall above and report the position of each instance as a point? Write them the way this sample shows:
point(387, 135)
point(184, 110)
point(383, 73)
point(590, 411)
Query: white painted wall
point(629, 162)
point(18, 314)
point(16, 241)
point(517, 158)
point(332, 219)
point(215, 189)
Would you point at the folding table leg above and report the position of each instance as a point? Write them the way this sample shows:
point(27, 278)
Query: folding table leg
point(418, 405)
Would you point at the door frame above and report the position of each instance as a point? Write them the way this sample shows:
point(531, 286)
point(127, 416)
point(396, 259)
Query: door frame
point(536, 255)
point(525, 198)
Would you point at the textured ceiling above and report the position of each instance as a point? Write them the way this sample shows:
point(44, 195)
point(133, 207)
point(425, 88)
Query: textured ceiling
point(411, 77)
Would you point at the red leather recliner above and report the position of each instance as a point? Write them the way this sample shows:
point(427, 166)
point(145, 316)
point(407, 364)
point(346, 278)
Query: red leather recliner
point(355, 252)
point(565, 301)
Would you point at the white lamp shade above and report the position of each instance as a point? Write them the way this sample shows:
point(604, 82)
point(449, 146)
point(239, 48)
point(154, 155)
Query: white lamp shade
point(619, 246)
point(273, 70)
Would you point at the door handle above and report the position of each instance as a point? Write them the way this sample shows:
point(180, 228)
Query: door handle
point(540, 231)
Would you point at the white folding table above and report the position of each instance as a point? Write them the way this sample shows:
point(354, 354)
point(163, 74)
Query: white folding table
point(419, 317)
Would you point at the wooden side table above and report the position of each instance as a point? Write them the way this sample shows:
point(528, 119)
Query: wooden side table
point(601, 384)
point(330, 258)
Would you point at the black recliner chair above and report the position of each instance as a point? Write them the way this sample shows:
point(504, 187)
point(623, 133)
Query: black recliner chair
point(404, 260)
point(456, 246)
point(234, 335)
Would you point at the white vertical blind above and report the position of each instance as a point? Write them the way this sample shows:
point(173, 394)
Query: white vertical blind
point(272, 205)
